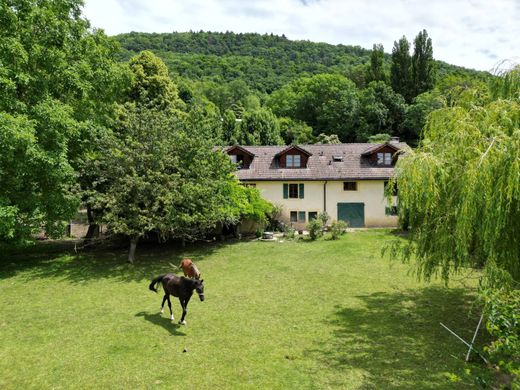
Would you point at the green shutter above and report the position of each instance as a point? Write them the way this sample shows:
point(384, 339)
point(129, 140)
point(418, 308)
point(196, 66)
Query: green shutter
point(301, 191)
point(301, 216)
point(285, 190)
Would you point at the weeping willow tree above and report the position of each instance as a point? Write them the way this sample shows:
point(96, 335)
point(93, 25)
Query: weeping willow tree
point(459, 191)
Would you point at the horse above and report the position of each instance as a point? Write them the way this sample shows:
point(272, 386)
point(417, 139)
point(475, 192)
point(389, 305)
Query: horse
point(190, 269)
point(179, 287)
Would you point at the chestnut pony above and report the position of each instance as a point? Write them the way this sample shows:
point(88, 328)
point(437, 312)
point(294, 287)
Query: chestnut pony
point(190, 269)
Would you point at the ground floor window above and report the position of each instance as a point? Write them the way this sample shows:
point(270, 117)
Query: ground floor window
point(313, 215)
point(298, 216)
point(394, 188)
point(391, 210)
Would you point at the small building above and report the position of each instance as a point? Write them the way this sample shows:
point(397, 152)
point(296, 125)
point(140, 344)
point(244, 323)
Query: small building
point(348, 181)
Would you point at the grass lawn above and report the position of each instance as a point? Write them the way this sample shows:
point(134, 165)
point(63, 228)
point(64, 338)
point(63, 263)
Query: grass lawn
point(291, 315)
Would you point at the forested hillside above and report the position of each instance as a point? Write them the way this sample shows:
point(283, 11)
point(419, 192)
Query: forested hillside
point(306, 92)
point(264, 62)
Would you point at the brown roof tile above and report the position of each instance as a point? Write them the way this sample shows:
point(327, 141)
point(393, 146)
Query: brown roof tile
point(320, 165)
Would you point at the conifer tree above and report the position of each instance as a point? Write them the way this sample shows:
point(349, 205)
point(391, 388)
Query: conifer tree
point(423, 66)
point(376, 71)
point(400, 71)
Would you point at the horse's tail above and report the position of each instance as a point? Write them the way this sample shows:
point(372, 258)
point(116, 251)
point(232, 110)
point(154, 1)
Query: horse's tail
point(158, 279)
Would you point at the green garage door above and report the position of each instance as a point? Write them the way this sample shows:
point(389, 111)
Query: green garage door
point(352, 213)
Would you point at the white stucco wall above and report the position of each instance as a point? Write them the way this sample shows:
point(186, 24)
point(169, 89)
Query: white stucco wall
point(369, 192)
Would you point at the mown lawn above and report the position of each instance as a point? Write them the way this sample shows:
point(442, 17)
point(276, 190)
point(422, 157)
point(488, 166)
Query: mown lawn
point(291, 315)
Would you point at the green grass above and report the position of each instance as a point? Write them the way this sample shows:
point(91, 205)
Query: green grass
point(291, 315)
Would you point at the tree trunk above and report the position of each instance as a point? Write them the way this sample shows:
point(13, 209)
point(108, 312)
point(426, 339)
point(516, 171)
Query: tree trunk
point(133, 245)
point(68, 230)
point(93, 228)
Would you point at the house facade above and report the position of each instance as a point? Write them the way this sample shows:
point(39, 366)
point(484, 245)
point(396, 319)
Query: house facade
point(348, 181)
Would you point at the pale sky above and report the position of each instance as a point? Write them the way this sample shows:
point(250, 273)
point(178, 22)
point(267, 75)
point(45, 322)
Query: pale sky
point(473, 33)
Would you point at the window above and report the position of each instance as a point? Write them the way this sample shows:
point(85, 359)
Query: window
point(250, 185)
point(297, 216)
point(293, 191)
point(337, 158)
point(391, 210)
point(394, 190)
point(388, 158)
point(350, 186)
point(313, 215)
point(293, 161)
point(384, 159)
point(238, 159)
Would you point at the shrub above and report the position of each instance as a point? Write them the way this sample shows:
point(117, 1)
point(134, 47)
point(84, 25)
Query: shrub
point(259, 233)
point(337, 229)
point(502, 309)
point(324, 218)
point(289, 232)
point(315, 228)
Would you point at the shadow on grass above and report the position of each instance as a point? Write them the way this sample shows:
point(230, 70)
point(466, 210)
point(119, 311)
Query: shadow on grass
point(166, 323)
point(60, 260)
point(396, 340)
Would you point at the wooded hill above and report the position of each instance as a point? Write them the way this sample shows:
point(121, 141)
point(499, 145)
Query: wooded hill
point(265, 62)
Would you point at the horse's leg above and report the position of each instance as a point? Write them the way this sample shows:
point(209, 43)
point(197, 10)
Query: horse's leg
point(162, 304)
point(184, 305)
point(170, 306)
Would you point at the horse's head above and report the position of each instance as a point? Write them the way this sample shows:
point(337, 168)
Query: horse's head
point(199, 287)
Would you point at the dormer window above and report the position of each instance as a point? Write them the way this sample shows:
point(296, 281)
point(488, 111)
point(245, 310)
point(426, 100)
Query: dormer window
point(240, 156)
point(237, 159)
point(384, 158)
point(293, 161)
point(292, 157)
point(382, 154)
point(337, 158)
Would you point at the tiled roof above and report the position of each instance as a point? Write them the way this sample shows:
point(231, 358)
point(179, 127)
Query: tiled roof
point(320, 165)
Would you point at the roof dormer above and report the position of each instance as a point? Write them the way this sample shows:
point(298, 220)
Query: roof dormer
point(292, 157)
point(240, 156)
point(384, 155)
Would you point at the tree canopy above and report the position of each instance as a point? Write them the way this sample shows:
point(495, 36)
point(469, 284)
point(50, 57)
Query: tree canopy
point(51, 96)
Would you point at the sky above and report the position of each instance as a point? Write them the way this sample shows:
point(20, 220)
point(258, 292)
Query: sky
point(477, 34)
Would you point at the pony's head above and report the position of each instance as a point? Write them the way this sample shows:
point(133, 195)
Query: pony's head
point(199, 287)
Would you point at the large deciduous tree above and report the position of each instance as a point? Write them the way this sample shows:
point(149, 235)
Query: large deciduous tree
point(259, 127)
point(326, 102)
point(159, 176)
point(58, 79)
point(381, 111)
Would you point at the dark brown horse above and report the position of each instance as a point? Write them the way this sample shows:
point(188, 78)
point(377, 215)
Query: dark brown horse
point(179, 287)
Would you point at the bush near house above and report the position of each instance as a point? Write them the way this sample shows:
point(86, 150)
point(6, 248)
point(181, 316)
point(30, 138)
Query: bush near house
point(337, 228)
point(315, 228)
